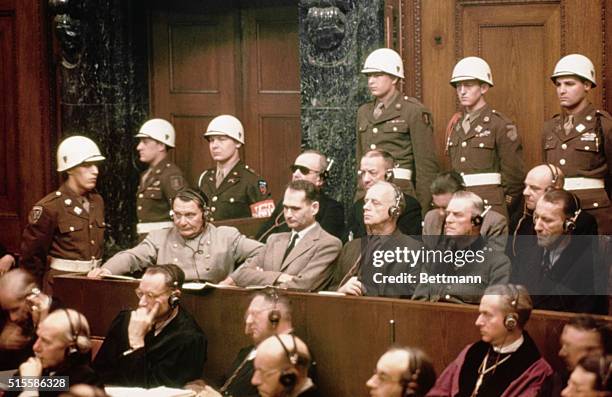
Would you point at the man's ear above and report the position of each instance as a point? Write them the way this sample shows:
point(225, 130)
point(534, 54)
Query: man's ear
point(484, 87)
point(315, 207)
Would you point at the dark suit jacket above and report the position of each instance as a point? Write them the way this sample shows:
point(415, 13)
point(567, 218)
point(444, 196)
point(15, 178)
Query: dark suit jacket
point(330, 217)
point(310, 261)
point(409, 223)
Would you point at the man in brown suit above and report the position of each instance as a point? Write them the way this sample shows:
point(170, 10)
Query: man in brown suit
point(399, 124)
point(160, 183)
point(66, 228)
point(579, 140)
point(300, 259)
point(483, 144)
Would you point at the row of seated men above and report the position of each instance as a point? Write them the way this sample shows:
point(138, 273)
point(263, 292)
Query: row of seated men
point(554, 249)
point(160, 344)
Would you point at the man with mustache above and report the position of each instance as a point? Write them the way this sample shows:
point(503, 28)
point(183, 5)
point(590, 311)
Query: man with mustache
point(66, 228)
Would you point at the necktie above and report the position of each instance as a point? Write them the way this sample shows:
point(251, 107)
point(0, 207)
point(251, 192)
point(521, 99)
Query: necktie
point(378, 110)
point(465, 124)
point(219, 178)
point(546, 261)
point(568, 126)
point(294, 238)
point(85, 203)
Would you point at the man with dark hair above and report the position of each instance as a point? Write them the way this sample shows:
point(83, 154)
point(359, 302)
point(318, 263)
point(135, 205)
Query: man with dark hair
point(506, 361)
point(402, 371)
point(494, 225)
point(158, 344)
point(23, 306)
point(592, 377)
point(561, 275)
point(582, 335)
point(300, 259)
point(311, 165)
point(205, 252)
point(377, 165)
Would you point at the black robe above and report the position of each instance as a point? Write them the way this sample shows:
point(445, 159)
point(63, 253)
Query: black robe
point(172, 358)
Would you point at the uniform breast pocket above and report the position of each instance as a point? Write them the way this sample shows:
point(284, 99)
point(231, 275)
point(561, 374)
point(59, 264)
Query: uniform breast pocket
point(362, 128)
point(397, 127)
point(67, 228)
point(550, 143)
point(153, 194)
point(482, 153)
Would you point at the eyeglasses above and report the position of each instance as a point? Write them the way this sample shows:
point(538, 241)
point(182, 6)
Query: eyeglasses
point(140, 293)
point(304, 170)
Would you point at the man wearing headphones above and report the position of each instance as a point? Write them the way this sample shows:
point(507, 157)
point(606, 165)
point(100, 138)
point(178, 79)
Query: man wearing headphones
point(562, 275)
point(281, 368)
point(301, 259)
point(506, 361)
point(494, 225)
point(161, 181)
point(402, 372)
point(377, 165)
point(63, 348)
point(232, 186)
point(269, 313)
point(23, 306)
point(312, 166)
point(472, 258)
point(158, 344)
point(356, 267)
point(203, 251)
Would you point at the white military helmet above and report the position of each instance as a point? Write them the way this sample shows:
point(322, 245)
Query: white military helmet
point(575, 65)
point(472, 68)
point(226, 125)
point(384, 60)
point(158, 129)
point(77, 150)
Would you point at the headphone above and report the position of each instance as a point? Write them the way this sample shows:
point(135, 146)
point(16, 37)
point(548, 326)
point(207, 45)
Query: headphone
point(174, 299)
point(410, 377)
point(198, 197)
point(389, 175)
point(325, 173)
point(554, 175)
point(570, 223)
point(274, 316)
point(511, 319)
point(72, 350)
point(479, 219)
point(395, 211)
point(288, 377)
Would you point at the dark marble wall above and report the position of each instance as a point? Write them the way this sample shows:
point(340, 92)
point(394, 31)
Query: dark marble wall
point(105, 97)
point(335, 38)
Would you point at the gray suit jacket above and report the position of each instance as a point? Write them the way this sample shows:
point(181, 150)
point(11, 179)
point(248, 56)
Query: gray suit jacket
point(310, 261)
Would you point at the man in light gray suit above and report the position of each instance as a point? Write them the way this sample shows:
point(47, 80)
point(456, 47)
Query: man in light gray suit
point(300, 259)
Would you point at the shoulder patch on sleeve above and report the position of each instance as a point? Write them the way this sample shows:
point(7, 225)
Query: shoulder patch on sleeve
point(177, 182)
point(35, 214)
point(263, 187)
point(426, 118)
point(511, 132)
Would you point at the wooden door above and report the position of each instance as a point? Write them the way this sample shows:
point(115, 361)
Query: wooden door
point(228, 57)
point(521, 41)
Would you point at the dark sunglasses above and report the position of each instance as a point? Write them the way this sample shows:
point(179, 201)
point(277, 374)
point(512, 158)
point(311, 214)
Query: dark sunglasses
point(303, 170)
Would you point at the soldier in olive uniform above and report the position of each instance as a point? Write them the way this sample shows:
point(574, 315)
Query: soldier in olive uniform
point(398, 124)
point(579, 140)
point(232, 186)
point(66, 228)
point(160, 183)
point(203, 251)
point(483, 144)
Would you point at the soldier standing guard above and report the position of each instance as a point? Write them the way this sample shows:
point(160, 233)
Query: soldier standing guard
point(579, 140)
point(232, 187)
point(162, 181)
point(66, 228)
point(398, 124)
point(483, 144)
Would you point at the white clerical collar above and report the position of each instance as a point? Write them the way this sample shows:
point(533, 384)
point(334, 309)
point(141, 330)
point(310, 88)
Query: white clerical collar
point(305, 386)
point(511, 348)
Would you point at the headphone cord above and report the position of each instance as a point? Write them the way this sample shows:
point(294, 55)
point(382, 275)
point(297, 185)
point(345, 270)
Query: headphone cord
point(195, 252)
point(277, 223)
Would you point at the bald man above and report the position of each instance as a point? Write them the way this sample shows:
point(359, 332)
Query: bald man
point(23, 307)
point(63, 348)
